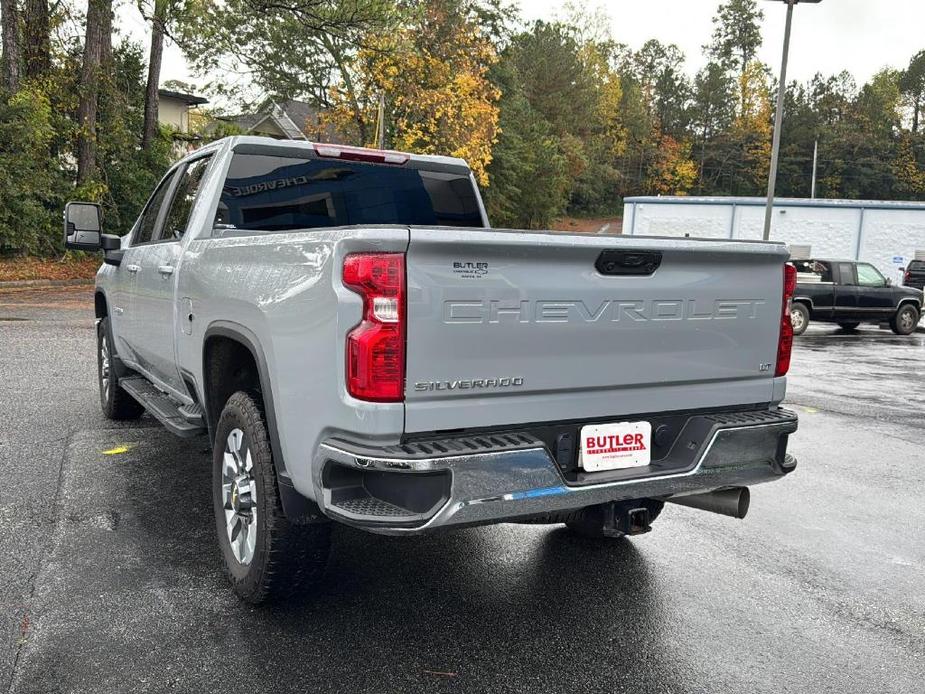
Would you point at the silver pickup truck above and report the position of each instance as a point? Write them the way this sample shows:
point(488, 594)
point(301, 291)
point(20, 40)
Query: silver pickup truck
point(360, 346)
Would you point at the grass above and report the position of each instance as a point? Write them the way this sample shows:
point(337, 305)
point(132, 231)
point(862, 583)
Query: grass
point(68, 267)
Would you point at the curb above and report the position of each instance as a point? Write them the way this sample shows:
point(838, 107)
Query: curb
point(44, 284)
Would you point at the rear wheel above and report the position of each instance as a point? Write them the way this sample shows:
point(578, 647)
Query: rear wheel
point(849, 326)
point(115, 402)
point(265, 556)
point(799, 318)
point(905, 320)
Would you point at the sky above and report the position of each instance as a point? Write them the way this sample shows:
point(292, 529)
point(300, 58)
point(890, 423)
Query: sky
point(860, 36)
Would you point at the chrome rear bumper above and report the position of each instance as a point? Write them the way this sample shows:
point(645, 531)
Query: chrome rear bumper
point(416, 488)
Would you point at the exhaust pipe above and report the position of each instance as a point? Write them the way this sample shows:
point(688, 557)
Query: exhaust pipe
point(728, 502)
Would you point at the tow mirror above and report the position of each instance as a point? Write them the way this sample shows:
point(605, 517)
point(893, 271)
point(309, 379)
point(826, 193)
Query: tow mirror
point(83, 229)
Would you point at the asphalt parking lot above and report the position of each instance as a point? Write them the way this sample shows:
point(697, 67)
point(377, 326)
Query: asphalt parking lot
point(111, 580)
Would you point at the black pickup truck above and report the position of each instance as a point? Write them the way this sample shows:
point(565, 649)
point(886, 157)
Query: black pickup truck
point(849, 293)
point(914, 276)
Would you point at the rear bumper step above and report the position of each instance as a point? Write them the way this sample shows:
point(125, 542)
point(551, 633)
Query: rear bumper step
point(406, 489)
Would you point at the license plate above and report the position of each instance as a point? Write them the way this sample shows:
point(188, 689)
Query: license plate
point(615, 446)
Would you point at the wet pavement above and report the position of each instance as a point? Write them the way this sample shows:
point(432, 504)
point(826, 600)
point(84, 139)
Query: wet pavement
point(111, 581)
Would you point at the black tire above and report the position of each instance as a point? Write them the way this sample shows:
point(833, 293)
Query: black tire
point(849, 326)
point(799, 318)
point(589, 522)
point(115, 402)
point(906, 319)
point(285, 557)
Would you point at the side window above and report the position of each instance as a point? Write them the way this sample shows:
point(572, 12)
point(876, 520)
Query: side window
point(182, 205)
point(869, 276)
point(846, 273)
point(148, 220)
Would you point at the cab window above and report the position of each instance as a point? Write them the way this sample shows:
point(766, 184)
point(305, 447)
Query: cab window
point(846, 274)
point(182, 205)
point(869, 276)
point(147, 222)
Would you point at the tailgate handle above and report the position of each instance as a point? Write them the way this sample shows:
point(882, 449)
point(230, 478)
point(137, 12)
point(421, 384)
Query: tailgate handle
point(628, 262)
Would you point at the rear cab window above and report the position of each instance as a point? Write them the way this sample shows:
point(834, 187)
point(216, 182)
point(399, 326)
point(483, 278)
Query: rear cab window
point(272, 192)
point(813, 271)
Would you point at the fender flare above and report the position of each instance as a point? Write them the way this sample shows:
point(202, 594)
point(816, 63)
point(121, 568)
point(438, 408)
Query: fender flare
point(298, 508)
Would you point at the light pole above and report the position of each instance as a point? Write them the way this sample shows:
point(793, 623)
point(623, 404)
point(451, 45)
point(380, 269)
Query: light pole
point(779, 116)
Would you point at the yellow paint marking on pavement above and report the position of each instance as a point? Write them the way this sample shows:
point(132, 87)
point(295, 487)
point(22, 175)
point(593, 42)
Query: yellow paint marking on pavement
point(118, 450)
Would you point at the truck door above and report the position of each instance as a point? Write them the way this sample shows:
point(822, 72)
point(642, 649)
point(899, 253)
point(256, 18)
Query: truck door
point(874, 296)
point(157, 280)
point(846, 291)
point(126, 322)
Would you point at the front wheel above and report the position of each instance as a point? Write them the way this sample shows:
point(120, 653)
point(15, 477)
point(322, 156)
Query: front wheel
point(115, 402)
point(905, 320)
point(265, 556)
point(799, 318)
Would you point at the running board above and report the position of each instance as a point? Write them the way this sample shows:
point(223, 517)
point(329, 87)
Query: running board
point(181, 420)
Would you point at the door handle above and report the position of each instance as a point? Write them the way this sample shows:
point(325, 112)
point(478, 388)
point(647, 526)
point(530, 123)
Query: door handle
point(165, 269)
point(133, 268)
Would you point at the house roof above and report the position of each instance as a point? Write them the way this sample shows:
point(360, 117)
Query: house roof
point(189, 99)
point(291, 117)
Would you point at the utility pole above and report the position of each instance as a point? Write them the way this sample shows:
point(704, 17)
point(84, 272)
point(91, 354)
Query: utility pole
point(815, 167)
point(380, 134)
point(778, 122)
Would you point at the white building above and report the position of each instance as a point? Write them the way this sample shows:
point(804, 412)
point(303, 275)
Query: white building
point(173, 110)
point(886, 234)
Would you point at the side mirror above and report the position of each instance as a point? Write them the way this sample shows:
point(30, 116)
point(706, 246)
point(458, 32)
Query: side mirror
point(83, 229)
point(889, 281)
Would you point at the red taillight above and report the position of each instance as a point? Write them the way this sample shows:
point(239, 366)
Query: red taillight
point(378, 156)
point(376, 347)
point(906, 277)
point(785, 343)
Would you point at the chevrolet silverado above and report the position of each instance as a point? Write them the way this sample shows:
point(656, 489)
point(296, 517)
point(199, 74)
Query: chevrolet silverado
point(360, 346)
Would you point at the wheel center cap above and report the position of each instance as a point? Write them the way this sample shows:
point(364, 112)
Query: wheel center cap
point(235, 497)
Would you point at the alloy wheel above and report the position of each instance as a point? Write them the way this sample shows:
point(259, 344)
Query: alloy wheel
point(105, 369)
point(239, 496)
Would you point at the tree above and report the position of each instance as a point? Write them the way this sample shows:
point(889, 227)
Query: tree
point(736, 36)
point(909, 169)
point(672, 172)
point(529, 186)
point(36, 38)
point(912, 84)
point(712, 112)
point(433, 74)
point(9, 19)
point(285, 48)
point(158, 20)
point(99, 13)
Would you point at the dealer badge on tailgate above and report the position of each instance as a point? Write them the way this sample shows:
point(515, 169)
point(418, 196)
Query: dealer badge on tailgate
point(615, 446)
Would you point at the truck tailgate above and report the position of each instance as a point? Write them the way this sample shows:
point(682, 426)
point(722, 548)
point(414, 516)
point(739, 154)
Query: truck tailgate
point(512, 328)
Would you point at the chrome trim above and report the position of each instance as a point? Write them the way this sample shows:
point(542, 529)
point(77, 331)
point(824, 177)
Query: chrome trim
point(495, 486)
